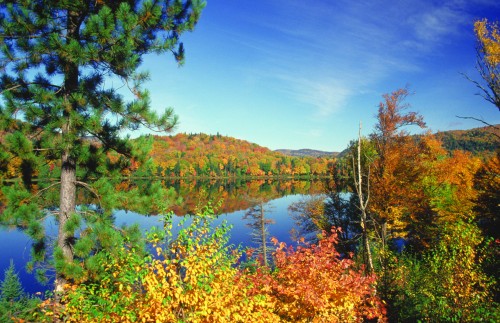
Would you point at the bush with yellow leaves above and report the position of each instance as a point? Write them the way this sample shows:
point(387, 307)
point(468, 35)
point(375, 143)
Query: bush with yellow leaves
point(192, 278)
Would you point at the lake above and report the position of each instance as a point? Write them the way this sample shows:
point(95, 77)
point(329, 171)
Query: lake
point(237, 197)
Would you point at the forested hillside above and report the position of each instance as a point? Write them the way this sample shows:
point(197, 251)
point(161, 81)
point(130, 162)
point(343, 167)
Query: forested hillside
point(479, 141)
point(216, 155)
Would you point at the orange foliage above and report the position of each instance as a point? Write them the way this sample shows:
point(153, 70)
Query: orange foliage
point(416, 186)
point(396, 168)
point(205, 291)
point(14, 167)
point(487, 184)
point(313, 284)
point(215, 156)
point(193, 279)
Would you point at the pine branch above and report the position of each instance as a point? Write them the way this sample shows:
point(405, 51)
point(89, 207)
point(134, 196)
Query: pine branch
point(47, 188)
point(10, 88)
point(90, 189)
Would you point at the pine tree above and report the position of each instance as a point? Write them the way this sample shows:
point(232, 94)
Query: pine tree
point(56, 60)
point(15, 304)
point(11, 289)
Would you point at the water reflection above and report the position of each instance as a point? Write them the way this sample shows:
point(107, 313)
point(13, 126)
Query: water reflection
point(236, 194)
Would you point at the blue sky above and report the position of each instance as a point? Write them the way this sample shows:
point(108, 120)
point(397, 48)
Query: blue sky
point(303, 74)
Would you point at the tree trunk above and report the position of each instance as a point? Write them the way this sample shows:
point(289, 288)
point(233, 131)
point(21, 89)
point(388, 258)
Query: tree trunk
point(263, 233)
point(66, 208)
point(362, 206)
point(67, 204)
point(366, 244)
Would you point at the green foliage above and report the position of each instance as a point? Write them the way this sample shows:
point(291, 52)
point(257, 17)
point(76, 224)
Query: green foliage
point(192, 261)
point(14, 303)
point(479, 141)
point(448, 284)
point(192, 277)
point(11, 289)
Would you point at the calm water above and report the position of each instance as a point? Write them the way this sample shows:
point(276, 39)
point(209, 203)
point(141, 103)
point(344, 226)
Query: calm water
point(15, 245)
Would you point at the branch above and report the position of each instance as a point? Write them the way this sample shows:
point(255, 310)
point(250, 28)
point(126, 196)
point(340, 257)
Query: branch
point(487, 95)
point(484, 122)
point(11, 88)
point(48, 187)
point(90, 189)
point(354, 175)
point(43, 149)
point(367, 188)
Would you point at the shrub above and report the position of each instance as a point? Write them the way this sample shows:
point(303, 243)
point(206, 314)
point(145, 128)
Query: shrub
point(313, 284)
point(192, 278)
point(447, 284)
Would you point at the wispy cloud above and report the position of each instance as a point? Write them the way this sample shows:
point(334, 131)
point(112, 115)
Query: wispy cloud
point(325, 96)
point(435, 24)
point(322, 53)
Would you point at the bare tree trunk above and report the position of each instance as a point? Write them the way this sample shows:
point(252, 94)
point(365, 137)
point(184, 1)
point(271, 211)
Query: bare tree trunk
point(362, 206)
point(263, 233)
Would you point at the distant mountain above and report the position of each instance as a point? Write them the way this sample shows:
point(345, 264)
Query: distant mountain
point(307, 153)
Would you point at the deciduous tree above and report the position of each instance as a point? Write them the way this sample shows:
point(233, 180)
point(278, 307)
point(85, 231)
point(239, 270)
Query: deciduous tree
point(488, 59)
point(395, 168)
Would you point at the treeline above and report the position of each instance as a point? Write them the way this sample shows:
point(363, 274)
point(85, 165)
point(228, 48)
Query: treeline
point(182, 155)
point(216, 156)
point(220, 156)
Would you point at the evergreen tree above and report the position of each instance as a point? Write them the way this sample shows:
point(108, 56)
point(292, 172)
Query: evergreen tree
point(56, 59)
point(15, 304)
point(10, 288)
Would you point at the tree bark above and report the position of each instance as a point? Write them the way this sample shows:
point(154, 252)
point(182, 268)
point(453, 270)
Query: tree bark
point(66, 208)
point(67, 201)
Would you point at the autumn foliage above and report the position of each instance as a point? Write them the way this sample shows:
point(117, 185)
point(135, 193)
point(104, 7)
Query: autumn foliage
point(488, 62)
point(194, 278)
point(215, 156)
point(448, 284)
point(312, 283)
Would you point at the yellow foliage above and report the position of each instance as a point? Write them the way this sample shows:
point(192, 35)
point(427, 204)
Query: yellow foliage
point(14, 167)
point(488, 35)
point(191, 279)
point(194, 287)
